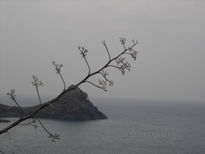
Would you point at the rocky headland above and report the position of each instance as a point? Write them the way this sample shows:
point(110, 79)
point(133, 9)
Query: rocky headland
point(72, 106)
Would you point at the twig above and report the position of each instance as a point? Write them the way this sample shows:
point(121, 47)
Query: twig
point(97, 86)
point(58, 71)
point(37, 83)
point(53, 137)
point(106, 48)
point(13, 98)
point(83, 53)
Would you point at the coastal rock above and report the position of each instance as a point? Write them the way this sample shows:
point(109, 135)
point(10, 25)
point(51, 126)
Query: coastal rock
point(72, 106)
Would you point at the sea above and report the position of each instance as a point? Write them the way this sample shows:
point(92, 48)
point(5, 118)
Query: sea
point(132, 127)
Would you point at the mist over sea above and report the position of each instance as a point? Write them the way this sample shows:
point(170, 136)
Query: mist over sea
point(133, 127)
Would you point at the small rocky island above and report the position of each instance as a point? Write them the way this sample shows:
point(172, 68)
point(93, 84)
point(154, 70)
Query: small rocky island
point(72, 106)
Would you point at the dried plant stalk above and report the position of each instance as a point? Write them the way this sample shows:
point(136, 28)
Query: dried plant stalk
point(118, 62)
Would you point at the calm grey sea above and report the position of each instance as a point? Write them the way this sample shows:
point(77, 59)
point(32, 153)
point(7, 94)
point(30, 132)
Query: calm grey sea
point(132, 128)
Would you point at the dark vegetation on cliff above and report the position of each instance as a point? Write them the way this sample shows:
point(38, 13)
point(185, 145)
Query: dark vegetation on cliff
point(72, 106)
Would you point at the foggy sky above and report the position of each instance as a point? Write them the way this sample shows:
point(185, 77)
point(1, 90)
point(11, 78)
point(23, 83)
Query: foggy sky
point(171, 35)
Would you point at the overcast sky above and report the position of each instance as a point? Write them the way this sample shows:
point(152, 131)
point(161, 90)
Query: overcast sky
point(171, 35)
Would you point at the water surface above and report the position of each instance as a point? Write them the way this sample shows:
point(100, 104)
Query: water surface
point(132, 128)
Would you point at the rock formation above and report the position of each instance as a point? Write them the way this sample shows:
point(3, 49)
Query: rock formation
point(72, 106)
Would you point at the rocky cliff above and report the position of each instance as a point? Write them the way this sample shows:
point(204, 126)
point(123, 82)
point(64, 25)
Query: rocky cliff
point(72, 106)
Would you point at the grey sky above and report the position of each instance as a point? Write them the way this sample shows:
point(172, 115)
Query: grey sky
point(171, 36)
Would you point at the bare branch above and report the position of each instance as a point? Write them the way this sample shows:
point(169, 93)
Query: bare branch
point(97, 86)
point(13, 98)
point(108, 52)
point(87, 65)
point(114, 66)
point(83, 53)
point(53, 137)
point(58, 71)
point(30, 123)
point(105, 81)
point(37, 83)
point(123, 41)
point(84, 80)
